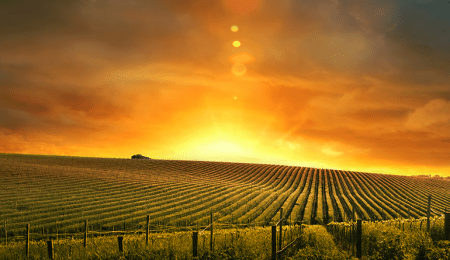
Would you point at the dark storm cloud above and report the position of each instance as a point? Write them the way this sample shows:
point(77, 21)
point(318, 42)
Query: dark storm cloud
point(422, 35)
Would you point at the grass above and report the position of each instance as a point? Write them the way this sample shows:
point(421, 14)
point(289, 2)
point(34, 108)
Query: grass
point(229, 243)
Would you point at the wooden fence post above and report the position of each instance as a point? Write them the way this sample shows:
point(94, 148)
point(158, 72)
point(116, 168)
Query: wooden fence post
point(353, 232)
point(194, 243)
point(274, 242)
point(211, 245)
point(120, 240)
point(50, 249)
point(6, 234)
point(447, 226)
point(27, 246)
point(428, 213)
point(281, 230)
point(147, 231)
point(358, 238)
point(85, 232)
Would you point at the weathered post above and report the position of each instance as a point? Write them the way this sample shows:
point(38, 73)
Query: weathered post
point(50, 249)
point(27, 247)
point(447, 226)
point(6, 234)
point(358, 238)
point(211, 245)
point(120, 241)
point(147, 231)
point(428, 213)
point(85, 233)
point(353, 232)
point(194, 243)
point(274, 242)
point(281, 230)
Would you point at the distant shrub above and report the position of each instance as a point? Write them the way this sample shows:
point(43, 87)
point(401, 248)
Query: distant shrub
point(139, 156)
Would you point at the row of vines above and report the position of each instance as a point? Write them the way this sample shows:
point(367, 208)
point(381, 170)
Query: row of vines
point(59, 192)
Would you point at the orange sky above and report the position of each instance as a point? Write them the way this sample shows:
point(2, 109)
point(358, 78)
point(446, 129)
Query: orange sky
point(353, 85)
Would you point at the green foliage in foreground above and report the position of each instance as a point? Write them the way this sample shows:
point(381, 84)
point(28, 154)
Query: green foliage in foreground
point(400, 239)
point(239, 244)
point(317, 243)
point(248, 243)
point(380, 241)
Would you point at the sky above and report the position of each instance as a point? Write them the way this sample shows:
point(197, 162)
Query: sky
point(341, 84)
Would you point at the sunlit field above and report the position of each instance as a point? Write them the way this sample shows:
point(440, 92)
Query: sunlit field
point(54, 192)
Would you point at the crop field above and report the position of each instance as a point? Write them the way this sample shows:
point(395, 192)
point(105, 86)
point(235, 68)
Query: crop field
point(59, 192)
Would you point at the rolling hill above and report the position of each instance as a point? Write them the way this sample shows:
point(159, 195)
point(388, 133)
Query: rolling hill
point(61, 192)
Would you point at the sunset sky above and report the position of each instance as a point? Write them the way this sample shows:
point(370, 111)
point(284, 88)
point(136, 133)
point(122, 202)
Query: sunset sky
point(358, 85)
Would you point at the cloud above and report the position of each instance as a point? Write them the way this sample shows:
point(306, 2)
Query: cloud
point(370, 116)
point(30, 17)
point(4, 76)
point(93, 103)
point(436, 111)
point(367, 109)
point(23, 102)
point(16, 119)
point(330, 151)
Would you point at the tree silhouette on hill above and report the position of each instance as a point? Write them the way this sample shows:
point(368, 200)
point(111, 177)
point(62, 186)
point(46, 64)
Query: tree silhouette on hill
point(139, 156)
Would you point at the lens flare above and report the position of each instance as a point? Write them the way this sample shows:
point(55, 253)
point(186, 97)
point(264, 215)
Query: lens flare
point(242, 57)
point(234, 28)
point(239, 69)
point(236, 44)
